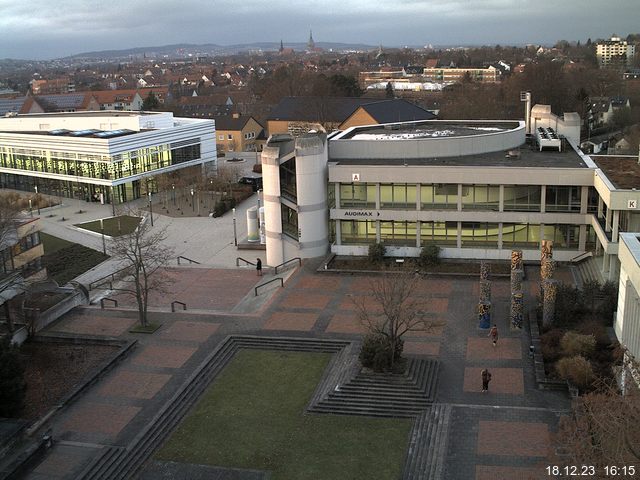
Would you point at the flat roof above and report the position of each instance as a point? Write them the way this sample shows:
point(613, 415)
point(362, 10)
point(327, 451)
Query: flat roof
point(529, 156)
point(88, 133)
point(426, 129)
point(622, 171)
point(92, 113)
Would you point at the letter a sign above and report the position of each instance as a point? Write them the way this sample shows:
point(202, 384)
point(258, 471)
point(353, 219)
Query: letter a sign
point(355, 177)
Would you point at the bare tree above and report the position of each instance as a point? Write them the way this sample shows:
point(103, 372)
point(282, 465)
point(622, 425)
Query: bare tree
point(11, 281)
point(144, 255)
point(397, 308)
point(602, 428)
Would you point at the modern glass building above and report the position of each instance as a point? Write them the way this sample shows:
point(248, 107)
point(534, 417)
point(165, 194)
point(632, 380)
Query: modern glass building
point(101, 156)
point(478, 189)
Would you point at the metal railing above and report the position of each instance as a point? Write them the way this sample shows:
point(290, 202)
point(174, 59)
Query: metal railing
point(581, 257)
point(173, 305)
point(111, 278)
point(244, 260)
point(102, 300)
point(267, 283)
point(187, 259)
point(298, 259)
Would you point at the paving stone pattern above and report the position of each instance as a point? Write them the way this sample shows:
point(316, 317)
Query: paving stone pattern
point(470, 428)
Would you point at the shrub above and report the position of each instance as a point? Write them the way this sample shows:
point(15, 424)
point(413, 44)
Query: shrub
point(12, 384)
point(376, 352)
point(576, 370)
point(377, 251)
point(573, 343)
point(599, 332)
point(429, 255)
point(550, 345)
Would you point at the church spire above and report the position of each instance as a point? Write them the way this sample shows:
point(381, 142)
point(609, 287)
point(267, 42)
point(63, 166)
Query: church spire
point(311, 44)
point(281, 46)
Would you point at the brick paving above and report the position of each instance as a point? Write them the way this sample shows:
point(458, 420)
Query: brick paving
point(503, 434)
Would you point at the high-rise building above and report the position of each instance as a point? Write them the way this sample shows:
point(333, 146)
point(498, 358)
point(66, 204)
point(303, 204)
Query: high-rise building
point(615, 53)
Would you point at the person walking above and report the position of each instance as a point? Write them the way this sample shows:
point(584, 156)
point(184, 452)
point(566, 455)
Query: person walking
point(259, 267)
point(493, 333)
point(486, 378)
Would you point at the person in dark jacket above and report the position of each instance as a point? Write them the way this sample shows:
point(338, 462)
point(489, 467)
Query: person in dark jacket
point(259, 267)
point(486, 378)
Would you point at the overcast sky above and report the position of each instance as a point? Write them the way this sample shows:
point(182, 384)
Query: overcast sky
point(43, 29)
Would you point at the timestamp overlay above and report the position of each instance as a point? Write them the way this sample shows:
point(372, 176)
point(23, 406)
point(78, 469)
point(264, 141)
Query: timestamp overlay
point(608, 471)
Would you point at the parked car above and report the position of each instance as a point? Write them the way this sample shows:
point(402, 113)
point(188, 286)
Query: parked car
point(255, 182)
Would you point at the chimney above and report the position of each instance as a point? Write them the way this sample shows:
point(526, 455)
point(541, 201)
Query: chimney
point(236, 115)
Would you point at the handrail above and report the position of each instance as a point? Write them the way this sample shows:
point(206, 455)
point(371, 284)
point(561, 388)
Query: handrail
point(244, 260)
point(267, 283)
point(173, 305)
point(115, 302)
point(95, 283)
point(582, 256)
point(188, 259)
point(288, 261)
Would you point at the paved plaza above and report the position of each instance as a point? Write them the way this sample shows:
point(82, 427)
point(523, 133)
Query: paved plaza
point(506, 433)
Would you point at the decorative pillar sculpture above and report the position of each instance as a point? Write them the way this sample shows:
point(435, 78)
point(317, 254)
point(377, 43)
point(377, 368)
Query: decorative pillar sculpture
point(516, 259)
point(516, 280)
point(485, 291)
point(517, 309)
point(484, 314)
point(550, 289)
point(546, 249)
point(485, 270)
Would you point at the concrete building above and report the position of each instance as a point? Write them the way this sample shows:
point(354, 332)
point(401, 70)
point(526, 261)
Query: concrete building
point(456, 75)
point(100, 155)
point(615, 52)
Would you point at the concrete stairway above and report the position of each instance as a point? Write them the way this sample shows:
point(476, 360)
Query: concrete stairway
point(589, 270)
point(428, 444)
point(383, 395)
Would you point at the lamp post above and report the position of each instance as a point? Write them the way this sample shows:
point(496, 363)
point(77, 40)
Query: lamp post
point(235, 234)
point(150, 208)
point(193, 205)
point(104, 245)
point(30, 208)
point(173, 186)
point(37, 199)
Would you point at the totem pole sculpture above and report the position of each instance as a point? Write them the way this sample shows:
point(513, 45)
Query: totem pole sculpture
point(517, 297)
point(484, 305)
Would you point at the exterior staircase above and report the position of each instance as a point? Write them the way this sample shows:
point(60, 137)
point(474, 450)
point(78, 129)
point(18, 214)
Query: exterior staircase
point(588, 270)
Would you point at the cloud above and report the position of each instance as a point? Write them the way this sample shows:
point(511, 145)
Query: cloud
point(45, 28)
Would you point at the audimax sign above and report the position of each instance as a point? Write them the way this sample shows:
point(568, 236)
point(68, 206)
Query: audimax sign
point(361, 213)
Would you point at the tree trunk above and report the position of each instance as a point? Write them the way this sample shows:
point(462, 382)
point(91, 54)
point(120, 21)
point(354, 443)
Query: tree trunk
point(7, 314)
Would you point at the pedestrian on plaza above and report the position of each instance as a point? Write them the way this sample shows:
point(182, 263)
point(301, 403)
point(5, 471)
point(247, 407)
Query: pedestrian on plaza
point(259, 267)
point(486, 378)
point(493, 333)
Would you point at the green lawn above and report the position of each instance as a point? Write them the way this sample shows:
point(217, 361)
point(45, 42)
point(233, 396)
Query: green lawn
point(113, 226)
point(65, 260)
point(252, 417)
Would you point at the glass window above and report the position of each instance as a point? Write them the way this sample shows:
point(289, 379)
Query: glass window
point(289, 221)
point(439, 197)
point(288, 179)
point(479, 234)
point(563, 199)
point(440, 233)
point(522, 198)
point(398, 233)
point(481, 197)
point(520, 235)
point(359, 195)
point(592, 201)
point(563, 236)
point(398, 196)
point(356, 232)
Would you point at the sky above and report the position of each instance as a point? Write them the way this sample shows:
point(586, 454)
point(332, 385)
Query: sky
point(45, 29)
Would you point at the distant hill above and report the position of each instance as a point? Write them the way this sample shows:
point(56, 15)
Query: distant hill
point(181, 50)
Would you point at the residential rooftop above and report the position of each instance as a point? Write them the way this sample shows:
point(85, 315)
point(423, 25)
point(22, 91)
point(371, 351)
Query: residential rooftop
point(622, 171)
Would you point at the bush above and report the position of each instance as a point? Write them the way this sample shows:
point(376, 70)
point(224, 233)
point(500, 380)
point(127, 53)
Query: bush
point(377, 251)
point(573, 344)
point(599, 332)
point(576, 370)
point(12, 384)
point(376, 353)
point(550, 345)
point(429, 255)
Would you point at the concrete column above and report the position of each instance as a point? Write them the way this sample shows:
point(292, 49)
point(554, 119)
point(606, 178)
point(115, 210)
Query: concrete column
point(338, 231)
point(614, 225)
point(607, 224)
point(418, 197)
point(418, 229)
point(500, 236)
point(613, 268)
point(459, 200)
point(336, 187)
point(582, 238)
point(459, 236)
point(584, 198)
point(377, 196)
point(543, 198)
point(501, 203)
point(606, 260)
point(600, 206)
point(377, 230)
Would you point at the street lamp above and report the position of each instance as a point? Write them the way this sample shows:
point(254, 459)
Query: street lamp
point(104, 245)
point(37, 199)
point(193, 205)
point(30, 208)
point(235, 234)
point(173, 186)
point(150, 208)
